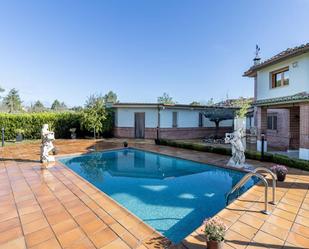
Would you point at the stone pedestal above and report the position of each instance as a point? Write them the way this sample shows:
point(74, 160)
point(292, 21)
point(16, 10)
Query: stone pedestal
point(304, 131)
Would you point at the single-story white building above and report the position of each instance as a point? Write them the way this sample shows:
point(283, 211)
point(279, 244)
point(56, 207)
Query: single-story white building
point(152, 120)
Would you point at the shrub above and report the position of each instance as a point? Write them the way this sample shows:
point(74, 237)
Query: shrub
point(268, 157)
point(31, 124)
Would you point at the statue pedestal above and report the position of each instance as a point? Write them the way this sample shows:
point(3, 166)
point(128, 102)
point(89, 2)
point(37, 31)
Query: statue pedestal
point(47, 165)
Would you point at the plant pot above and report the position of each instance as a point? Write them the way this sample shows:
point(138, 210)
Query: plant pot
point(125, 144)
point(281, 177)
point(213, 244)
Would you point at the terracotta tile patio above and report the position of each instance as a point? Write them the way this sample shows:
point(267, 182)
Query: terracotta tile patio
point(55, 208)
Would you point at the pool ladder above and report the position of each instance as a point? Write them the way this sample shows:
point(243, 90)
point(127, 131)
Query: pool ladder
point(255, 173)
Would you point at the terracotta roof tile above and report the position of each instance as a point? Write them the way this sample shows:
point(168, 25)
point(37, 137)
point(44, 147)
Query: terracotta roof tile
point(299, 97)
point(290, 52)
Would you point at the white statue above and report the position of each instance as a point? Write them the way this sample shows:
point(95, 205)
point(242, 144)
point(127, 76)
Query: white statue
point(47, 144)
point(238, 149)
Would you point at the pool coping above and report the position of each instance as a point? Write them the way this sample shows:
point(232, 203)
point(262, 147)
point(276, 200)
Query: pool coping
point(103, 193)
point(182, 242)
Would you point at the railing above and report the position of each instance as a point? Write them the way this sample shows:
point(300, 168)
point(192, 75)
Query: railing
point(274, 179)
point(255, 173)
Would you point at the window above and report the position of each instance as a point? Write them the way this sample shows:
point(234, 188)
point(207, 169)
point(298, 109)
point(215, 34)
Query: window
point(200, 120)
point(175, 119)
point(272, 122)
point(280, 78)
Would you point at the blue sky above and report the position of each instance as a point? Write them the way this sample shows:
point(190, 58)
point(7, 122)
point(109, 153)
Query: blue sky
point(191, 49)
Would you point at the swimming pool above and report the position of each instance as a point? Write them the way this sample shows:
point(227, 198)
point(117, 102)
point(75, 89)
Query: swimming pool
point(172, 195)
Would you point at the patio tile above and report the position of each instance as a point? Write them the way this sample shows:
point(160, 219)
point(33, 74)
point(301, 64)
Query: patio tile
point(88, 212)
point(288, 208)
point(118, 229)
point(298, 240)
point(64, 226)
point(69, 238)
point(280, 222)
point(39, 236)
point(18, 243)
point(93, 226)
point(103, 237)
point(244, 230)
point(301, 230)
point(82, 244)
point(303, 212)
point(10, 234)
point(236, 240)
point(267, 240)
point(302, 220)
point(116, 244)
point(130, 239)
point(28, 218)
point(284, 214)
point(9, 224)
point(34, 226)
point(59, 217)
point(48, 244)
point(86, 217)
point(274, 230)
point(8, 215)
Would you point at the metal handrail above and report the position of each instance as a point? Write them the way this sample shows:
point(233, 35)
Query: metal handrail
point(274, 179)
point(244, 180)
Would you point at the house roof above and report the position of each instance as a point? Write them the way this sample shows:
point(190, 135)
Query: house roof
point(299, 97)
point(169, 106)
point(288, 53)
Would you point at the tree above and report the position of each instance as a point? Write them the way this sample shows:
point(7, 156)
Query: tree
point(244, 105)
point(38, 107)
point(12, 101)
point(94, 114)
point(1, 89)
point(166, 99)
point(217, 115)
point(76, 108)
point(110, 97)
point(58, 106)
point(195, 103)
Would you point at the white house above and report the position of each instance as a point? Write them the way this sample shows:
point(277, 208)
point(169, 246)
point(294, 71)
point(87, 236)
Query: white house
point(146, 120)
point(281, 92)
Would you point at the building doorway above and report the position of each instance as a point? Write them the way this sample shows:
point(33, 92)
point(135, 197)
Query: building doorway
point(139, 121)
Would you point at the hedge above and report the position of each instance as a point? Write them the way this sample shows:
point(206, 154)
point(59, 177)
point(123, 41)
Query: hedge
point(268, 157)
point(31, 124)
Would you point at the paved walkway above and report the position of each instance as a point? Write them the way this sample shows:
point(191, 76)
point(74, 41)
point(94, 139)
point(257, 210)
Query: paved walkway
point(55, 208)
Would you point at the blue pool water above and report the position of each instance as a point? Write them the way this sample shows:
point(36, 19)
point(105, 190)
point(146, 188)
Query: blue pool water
point(172, 195)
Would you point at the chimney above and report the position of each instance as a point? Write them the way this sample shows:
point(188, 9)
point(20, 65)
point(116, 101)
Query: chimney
point(257, 59)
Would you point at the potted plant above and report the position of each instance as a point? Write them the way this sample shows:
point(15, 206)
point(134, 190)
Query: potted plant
point(125, 144)
point(19, 135)
point(280, 171)
point(214, 230)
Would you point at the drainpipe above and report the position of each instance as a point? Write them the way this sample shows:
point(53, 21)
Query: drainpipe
point(158, 125)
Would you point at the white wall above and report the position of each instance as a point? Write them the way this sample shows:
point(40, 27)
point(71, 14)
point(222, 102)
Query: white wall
point(299, 78)
point(124, 117)
point(186, 118)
